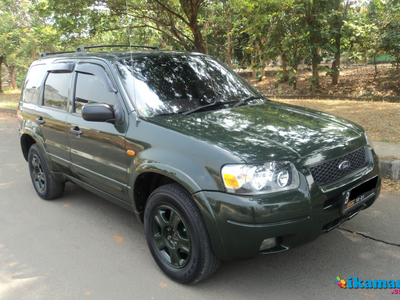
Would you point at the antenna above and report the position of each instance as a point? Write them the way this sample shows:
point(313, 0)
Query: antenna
point(133, 78)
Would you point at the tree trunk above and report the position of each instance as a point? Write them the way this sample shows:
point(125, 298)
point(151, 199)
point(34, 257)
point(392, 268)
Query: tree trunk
point(177, 35)
point(229, 32)
point(284, 67)
point(315, 63)
point(198, 39)
point(285, 76)
point(11, 72)
point(206, 41)
point(313, 21)
point(336, 63)
point(262, 62)
point(254, 70)
point(229, 46)
point(376, 68)
point(12, 77)
point(191, 10)
point(335, 68)
point(1, 62)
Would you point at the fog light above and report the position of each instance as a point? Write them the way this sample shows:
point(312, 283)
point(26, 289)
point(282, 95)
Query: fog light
point(268, 244)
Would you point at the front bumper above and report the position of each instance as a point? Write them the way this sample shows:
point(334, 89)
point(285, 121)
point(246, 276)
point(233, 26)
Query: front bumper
point(237, 225)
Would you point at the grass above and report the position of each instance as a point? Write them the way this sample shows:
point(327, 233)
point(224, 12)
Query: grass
point(10, 99)
point(12, 95)
point(8, 104)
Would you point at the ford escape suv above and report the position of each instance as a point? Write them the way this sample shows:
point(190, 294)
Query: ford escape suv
point(214, 170)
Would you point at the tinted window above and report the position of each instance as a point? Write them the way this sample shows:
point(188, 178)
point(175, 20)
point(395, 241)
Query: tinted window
point(91, 89)
point(32, 83)
point(174, 84)
point(56, 90)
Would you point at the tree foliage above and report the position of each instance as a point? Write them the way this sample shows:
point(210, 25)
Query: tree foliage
point(23, 35)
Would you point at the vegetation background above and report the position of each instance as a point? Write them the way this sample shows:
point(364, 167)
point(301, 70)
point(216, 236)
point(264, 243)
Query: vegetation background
point(289, 38)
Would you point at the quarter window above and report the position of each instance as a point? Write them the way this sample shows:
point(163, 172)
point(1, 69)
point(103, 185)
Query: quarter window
point(32, 83)
point(56, 90)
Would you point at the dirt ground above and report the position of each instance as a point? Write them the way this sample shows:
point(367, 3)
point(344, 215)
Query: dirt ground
point(380, 119)
point(355, 82)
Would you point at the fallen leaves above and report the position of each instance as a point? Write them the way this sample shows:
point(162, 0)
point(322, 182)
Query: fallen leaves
point(379, 119)
point(118, 238)
point(391, 186)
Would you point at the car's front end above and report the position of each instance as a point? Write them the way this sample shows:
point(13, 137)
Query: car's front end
point(278, 221)
point(301, 173)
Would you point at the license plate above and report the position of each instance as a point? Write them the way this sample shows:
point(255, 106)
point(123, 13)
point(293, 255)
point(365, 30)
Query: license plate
point(358, 195)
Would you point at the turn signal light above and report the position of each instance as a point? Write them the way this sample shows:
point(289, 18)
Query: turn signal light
point(131, 152)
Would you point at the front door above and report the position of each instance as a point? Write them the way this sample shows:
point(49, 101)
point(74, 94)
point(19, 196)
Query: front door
point(97, 148)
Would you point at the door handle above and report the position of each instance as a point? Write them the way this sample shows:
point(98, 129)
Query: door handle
point(40, 121)
point(75, 130)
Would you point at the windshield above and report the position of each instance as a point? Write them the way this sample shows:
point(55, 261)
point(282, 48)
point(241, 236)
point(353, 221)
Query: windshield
point(170, 84)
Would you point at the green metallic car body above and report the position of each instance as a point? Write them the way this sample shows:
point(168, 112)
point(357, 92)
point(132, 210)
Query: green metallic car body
point(192, 149)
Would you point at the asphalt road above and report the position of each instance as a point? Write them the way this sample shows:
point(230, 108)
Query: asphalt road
point(83, 247)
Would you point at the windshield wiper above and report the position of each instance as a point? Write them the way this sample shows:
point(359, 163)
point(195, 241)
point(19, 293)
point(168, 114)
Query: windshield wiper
point(216, 103)
point(241, 102)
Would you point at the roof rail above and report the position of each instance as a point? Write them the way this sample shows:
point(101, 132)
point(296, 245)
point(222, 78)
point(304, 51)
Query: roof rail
point(44, 54)
point(82, 48)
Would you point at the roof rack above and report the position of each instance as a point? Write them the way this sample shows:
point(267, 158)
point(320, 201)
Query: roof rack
point(44, 54)
point(82, 49)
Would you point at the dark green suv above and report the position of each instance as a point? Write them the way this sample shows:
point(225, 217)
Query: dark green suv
point(212, 168)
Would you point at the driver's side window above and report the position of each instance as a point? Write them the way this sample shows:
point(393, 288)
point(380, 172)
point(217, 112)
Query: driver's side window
point(91, 89)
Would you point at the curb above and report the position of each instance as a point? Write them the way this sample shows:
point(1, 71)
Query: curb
point(390, 168)
point(11, 111)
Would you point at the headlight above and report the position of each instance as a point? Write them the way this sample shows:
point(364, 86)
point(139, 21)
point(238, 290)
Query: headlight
point(369, 140)
point(260, 179)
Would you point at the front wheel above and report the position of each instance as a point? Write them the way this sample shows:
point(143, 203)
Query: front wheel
point(177, 236)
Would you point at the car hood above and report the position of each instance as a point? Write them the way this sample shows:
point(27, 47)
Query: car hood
point(268, 131)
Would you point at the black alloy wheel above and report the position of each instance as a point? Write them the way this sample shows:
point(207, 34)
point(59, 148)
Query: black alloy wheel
point(177, 236)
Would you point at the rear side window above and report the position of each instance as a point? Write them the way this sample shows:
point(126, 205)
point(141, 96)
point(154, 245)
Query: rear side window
point(91, 89)
point(32, 83)
point(56, 90)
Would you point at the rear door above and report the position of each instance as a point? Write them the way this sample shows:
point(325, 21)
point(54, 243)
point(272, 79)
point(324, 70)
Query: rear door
point(51, 114)
point(97, 148)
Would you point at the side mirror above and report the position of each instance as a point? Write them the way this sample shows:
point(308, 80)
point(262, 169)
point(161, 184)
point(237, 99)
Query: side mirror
point(98, 113)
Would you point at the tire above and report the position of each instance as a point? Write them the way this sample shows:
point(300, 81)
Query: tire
point(43, 180)
point(177, 236)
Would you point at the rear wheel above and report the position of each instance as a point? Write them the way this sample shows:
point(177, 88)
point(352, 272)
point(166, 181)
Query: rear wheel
point(43, 180)
point(177, 236)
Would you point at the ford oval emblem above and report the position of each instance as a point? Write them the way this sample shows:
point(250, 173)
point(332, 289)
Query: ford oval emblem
point(344, 165)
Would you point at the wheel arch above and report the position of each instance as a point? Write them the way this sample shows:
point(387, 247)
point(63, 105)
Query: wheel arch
point(147, 182)
point(27, 140)
point(151, 178)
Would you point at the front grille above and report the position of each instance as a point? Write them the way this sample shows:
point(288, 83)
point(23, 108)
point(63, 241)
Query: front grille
point(329, 171)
